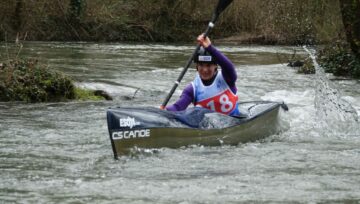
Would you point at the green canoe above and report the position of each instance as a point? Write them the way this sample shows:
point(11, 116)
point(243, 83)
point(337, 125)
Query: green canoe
point(148, 127)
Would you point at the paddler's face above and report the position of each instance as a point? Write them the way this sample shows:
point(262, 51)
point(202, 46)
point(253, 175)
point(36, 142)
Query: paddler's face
point(206, 70)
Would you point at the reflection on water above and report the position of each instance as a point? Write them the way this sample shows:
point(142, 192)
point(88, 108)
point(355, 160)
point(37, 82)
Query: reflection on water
point(61, 153)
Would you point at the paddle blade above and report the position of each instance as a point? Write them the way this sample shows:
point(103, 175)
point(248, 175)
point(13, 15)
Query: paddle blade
point(221, 6)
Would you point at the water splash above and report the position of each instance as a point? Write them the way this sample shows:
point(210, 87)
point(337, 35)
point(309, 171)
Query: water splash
point(331, 109)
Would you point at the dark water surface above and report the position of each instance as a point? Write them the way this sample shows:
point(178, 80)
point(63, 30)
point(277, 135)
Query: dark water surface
point(61, 153)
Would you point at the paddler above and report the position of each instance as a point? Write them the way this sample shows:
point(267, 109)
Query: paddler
point(212, 88)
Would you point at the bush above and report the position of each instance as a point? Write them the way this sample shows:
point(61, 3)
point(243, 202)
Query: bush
point(307, 68)
point(338, 59)
point(27, 80)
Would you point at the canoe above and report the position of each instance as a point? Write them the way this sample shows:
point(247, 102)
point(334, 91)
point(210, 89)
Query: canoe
point(148, 127)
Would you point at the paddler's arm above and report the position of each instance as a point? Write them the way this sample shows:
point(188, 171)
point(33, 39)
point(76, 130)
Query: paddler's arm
point(184, 101)
point(227, 68)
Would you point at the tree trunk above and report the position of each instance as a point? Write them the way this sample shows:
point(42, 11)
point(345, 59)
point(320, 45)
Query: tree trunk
point(76, 9)
point(350, 10)
point(17, 15)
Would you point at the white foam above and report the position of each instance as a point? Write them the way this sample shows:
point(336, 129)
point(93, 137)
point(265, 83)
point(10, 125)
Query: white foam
point(291, 97)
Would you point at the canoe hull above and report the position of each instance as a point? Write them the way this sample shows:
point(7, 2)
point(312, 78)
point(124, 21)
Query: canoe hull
point(131, 133)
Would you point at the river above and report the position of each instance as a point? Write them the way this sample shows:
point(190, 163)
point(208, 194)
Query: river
point(61, 152)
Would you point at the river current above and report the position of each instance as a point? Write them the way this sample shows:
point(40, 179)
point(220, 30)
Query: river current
point(61, 152)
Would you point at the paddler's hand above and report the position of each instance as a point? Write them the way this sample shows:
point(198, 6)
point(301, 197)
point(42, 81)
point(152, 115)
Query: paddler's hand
point(205, 42)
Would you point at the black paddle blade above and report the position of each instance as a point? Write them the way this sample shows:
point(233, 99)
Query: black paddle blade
point(221, 6)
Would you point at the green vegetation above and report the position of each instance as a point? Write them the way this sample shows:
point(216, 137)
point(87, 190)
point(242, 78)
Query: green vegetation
point(28, 80)
point(342, 58)
point(307, 68)
point(264, 22)
point(339, 60)
point(86, 95)
point(257, 21)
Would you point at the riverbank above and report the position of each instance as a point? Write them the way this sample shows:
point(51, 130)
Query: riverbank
point(283, 22)
point(29, 80)
point(250, 38)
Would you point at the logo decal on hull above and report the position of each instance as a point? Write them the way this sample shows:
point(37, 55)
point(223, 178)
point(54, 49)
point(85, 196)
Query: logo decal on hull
point(130, 134)
point(128, 122)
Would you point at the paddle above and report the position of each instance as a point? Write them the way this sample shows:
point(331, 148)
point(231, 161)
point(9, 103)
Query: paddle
point(221, 6)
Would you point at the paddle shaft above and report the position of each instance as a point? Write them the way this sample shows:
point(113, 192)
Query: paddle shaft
point(222, 4)
point(177, 82)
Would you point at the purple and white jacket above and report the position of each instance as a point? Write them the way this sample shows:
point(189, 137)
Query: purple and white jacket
point(227, 70)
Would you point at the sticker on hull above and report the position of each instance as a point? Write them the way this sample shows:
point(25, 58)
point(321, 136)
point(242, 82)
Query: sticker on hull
point(129, 134)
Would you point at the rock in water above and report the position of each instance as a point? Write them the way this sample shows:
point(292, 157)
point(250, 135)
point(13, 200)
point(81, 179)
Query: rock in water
point(103, 94)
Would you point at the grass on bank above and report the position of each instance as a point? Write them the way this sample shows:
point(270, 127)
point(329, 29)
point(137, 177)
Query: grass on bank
point(86, 95)
point(30, 81)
